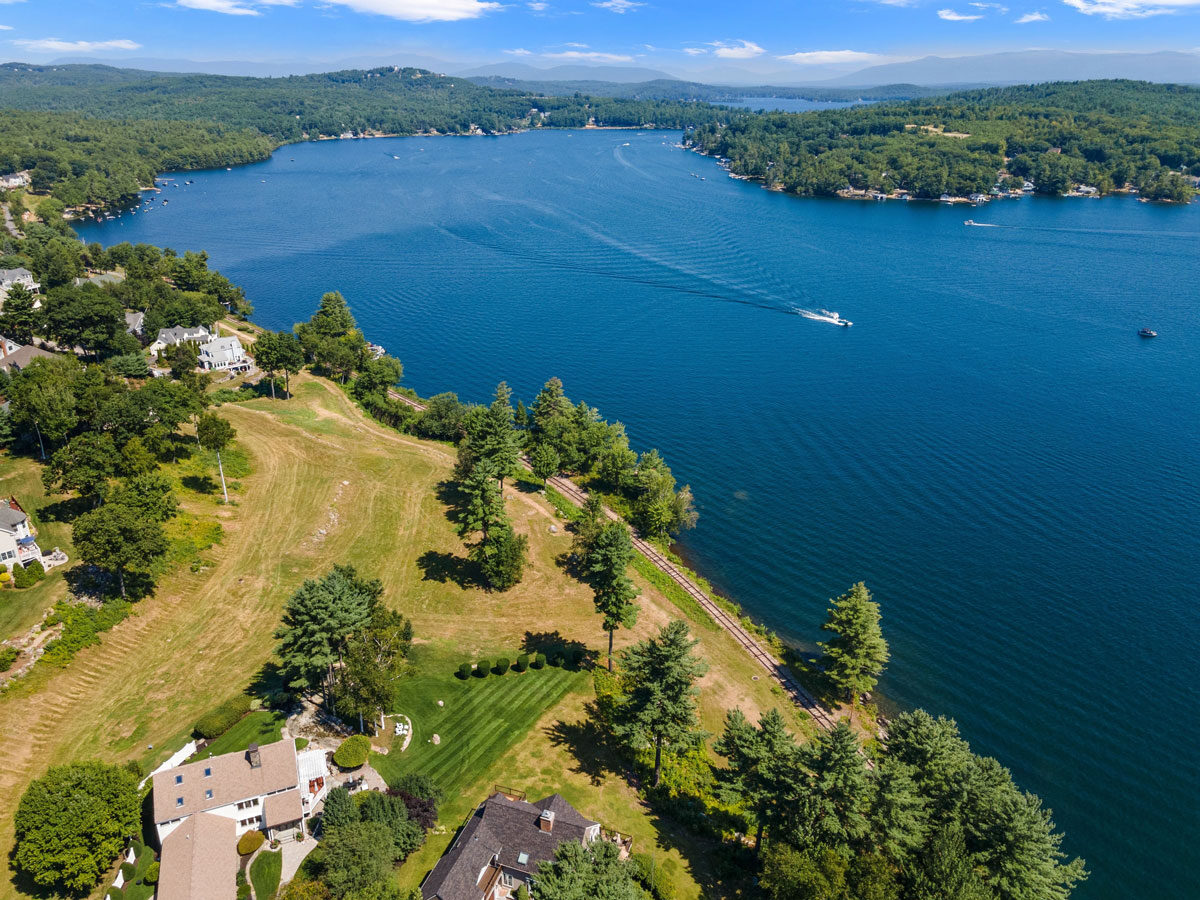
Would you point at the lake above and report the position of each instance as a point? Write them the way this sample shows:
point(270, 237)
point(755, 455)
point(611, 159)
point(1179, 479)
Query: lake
point(991, 447)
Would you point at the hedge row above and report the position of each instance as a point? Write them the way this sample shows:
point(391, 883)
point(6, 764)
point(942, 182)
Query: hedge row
point(557, 658)
point(218, 721)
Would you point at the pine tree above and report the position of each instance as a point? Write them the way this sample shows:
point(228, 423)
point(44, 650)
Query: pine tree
point(899, 820)
point(614, 593)
point(483, 506)
point(659, 677)
point(856, 656)
point(840, 790)
point(764, 767)
point(498, 441)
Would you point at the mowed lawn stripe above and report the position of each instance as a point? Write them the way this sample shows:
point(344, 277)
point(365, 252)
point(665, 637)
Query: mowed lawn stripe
point(483, 719)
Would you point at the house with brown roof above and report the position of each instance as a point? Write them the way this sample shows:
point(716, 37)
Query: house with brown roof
point(199, 860)
point(499, 848)
point(259, 788)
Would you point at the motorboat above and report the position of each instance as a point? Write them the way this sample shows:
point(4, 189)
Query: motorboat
point(1147, 333)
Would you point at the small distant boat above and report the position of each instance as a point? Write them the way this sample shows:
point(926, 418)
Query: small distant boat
point(835, 318)
point(626, 144)
point(969, 222)
point(1147, 333)
point(165, 202)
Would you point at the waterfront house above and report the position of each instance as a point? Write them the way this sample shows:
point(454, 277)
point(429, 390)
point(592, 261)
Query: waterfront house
point(224, 354)
point(499, 848)
point(180, 334)
point(15, 180)
point(271, 788)
point(21, 276)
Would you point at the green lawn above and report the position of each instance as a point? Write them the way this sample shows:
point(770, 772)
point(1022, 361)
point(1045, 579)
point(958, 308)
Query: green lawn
point(258, 727)
point(134, 891)
point(482, 718)
point(264, 874)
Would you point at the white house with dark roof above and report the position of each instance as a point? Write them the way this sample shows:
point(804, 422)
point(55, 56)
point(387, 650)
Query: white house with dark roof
point(180, 334)
point(21, 276)
point(224, 354)
point(18, 540)
point(500, 847)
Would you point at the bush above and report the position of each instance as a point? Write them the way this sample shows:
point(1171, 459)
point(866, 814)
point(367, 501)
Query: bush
point(8, 656)
point(557, 659)
point(130, 365)
point(502, 666)
point(417, 785)
point(115, 893)
point(216, 722)
point(353, 751)
point(134, 768)
point(482, 668)
point(464, 671)
point(22, 577)
point(5, 576)
point(151, 876)
point(128, 870)
point(249, 842)
point(243, 891)
point(522, 662)
point(652, 877)
point(539, 661)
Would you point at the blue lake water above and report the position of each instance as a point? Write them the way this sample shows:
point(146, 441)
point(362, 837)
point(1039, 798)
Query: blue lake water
point(991, 447)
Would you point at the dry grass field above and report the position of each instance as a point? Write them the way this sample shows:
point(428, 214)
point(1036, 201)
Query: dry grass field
point(327, 485)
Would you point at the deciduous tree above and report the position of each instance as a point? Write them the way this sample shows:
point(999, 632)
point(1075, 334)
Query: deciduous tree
point(215, 433)
point(119, 539)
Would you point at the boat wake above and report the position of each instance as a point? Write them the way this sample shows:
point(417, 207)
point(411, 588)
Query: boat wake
point(822, 315)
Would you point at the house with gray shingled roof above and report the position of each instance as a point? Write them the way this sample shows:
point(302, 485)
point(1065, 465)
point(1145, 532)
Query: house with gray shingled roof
point(499, 848)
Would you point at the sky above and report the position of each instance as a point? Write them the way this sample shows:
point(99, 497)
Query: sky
point(810, 38)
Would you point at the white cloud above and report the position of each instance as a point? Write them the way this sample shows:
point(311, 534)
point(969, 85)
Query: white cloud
point(54, 45)
point(227, 7)
point(737, 49)
point(951, 16)
point(1130, 9)
point(5, 28)
point(1033, 17)
point(830, 57)
point(576, 45)
point(618, 6)
point(421, 10)
point(589, 56)
point(538, 6)
point(1003, 10)
point(694, 51)
point(520, 51)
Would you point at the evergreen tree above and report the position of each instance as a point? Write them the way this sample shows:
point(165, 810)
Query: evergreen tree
point(591, 872)
point(483, 506)
point(497, 440)
point(764, 767)
point(945, 870)
point(501, 556)
point(19, 321)
point(545, 461)
point(839, 792)
point(856, 656)
point(659, 678)
point(339, 809)
point(607, 560)
point(318, 619)
point(899, 821)
point(375, 660)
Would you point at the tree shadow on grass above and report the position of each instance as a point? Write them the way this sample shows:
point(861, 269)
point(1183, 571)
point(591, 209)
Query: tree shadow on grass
point(443, 567)
point(450, 495)
point(67, 510)
point(587, 742)
point(554, 642)
point(201, 484)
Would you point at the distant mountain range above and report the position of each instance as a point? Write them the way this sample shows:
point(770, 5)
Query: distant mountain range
point(1032, 66)
point(1016, 67)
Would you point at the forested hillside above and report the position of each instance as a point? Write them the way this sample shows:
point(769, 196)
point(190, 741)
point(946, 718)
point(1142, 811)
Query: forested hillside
point(112, 129)
point(1102, 133)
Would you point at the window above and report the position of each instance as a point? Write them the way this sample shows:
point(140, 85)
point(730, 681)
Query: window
point(179, 779)
point(522, 858)
point(179, 801)
point(208, 795)
point(208, 773)
point(507, 880)
point(246, 804)
point(246, 822)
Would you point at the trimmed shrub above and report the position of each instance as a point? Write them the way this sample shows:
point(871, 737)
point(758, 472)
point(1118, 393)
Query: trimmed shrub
point(464, 671)
point(353, 751)
point(5, 576)
point(128, 870)
point(522, 662)
point(8, 656)
point(36, 569)
point(216, 722)
point(115, 893)
point(249, 842)
point(502, 666)
point(557, 659)
point(22, 577)
point(482, 668)
point(539, 661)
point(151, 876)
